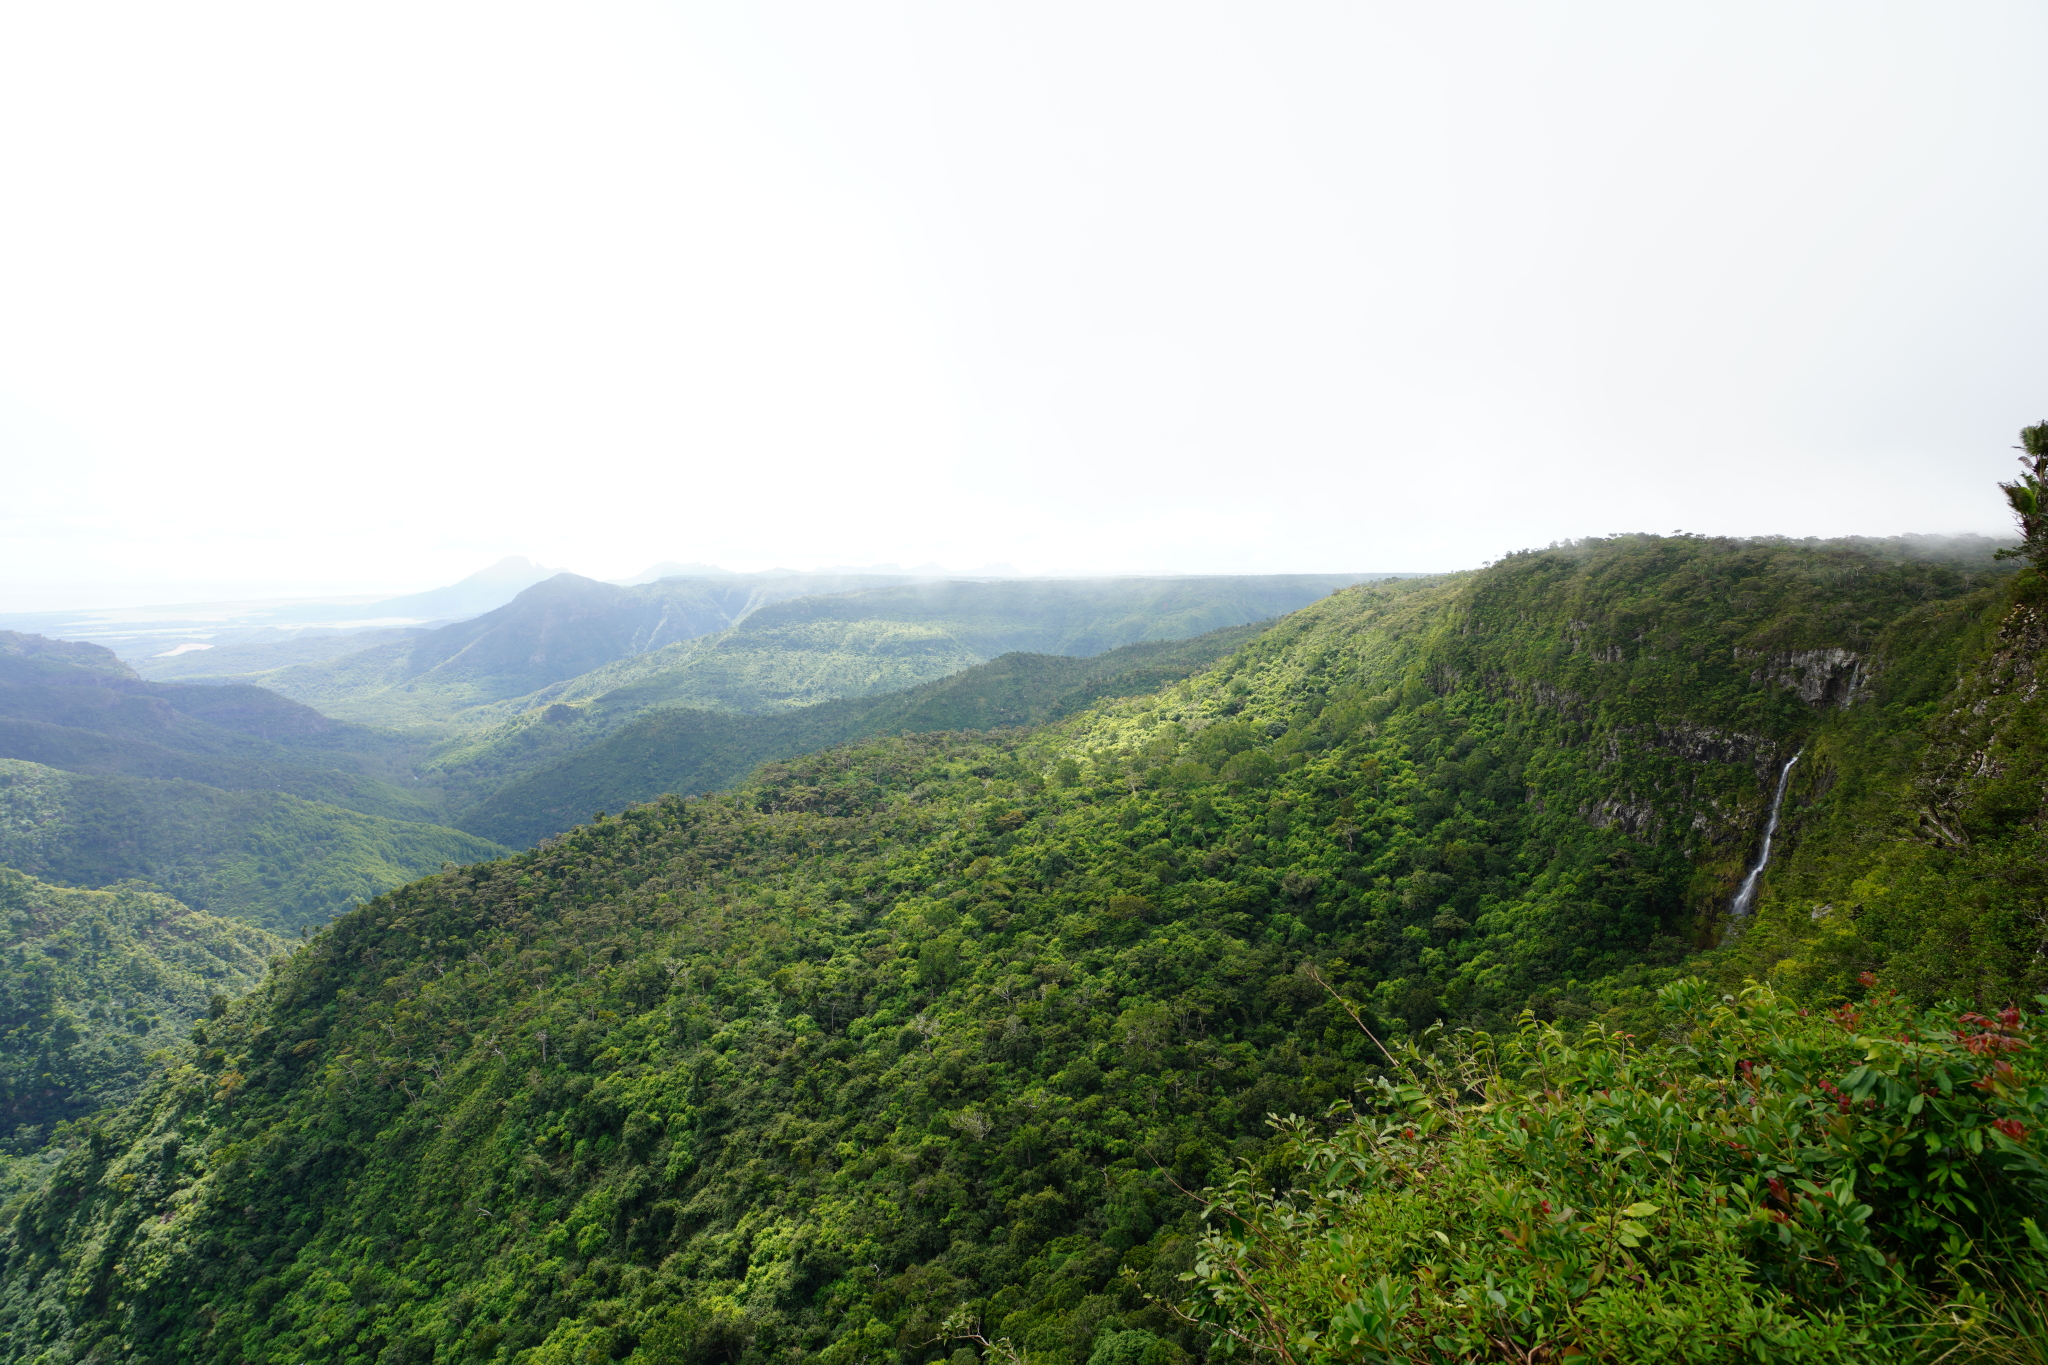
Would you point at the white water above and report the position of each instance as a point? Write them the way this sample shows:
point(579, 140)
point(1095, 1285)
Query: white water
point(1745, 897)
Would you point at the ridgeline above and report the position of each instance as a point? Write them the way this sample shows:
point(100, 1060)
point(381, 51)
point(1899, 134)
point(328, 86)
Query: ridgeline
point(926, 1044)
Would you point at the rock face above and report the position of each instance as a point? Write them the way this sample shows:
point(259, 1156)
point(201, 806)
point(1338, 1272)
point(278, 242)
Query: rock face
point(1980, 744)
point(1819, 677)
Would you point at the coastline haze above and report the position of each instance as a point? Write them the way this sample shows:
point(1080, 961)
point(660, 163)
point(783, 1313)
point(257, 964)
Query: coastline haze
point(1082, 289)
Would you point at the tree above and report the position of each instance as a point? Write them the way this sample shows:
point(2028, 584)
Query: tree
point(2028, 496)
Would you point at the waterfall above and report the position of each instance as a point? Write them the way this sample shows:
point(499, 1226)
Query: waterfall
point(1745, 897)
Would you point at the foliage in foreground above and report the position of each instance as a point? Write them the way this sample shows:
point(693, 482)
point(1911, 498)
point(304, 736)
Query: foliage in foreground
point(1763, 1184)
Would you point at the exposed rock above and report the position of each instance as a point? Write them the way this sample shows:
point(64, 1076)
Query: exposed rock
point(1631, 816)
point(1706, 744)
point(1820, 677)
point(1964, 746)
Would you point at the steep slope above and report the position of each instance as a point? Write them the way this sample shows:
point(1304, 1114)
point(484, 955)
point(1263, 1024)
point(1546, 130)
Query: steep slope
point(261, 856)
point(927, 1030)
point(92, 983)
point(1916, 838)
point(78, 707)
point(676, 749)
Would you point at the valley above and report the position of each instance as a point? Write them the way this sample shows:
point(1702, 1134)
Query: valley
point(916, 1019)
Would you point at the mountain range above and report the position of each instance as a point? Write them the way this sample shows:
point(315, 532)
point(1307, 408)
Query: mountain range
point(1374, 989)
point(237, 801)
point(242, 801)
point(750, 642)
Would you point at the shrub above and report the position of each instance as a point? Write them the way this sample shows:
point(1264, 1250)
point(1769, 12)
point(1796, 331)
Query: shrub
point(1763, 1184)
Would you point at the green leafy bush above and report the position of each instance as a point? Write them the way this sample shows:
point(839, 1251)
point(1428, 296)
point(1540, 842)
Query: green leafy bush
point(1765, 1183)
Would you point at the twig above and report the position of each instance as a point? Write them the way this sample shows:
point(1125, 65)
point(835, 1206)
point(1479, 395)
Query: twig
point(1315, 974)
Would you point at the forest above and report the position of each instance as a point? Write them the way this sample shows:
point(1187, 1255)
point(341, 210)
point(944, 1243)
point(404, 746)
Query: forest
point(96, 987)
point(1366, 991)
point(243, 801)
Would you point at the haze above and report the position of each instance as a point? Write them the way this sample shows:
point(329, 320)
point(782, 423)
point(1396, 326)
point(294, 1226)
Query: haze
point(360, 297)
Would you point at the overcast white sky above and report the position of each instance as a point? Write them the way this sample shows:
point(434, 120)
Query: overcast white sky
point(360, 296)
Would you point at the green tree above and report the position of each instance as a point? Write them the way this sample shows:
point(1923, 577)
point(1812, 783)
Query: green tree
point(2028, 496)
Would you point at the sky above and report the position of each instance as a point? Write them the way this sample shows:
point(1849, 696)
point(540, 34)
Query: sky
point(352, 298)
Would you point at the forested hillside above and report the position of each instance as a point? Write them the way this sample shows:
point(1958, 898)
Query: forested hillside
point(78, 707)
point(93, 983)
point(191, 785)
point(926, 1041)
point(264, 857)
point(813, 649)
point(235, 800)
point(552, 768)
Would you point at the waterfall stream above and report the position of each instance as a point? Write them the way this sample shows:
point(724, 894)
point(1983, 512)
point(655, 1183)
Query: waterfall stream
point(1745, 897)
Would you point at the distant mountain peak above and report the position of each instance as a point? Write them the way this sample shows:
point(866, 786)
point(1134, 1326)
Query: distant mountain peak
point(511, 569)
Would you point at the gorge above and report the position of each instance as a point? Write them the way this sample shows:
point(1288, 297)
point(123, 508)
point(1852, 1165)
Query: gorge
point(927, 1041)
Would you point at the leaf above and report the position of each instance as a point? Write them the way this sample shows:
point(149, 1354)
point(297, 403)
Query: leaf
point(1639, 1210)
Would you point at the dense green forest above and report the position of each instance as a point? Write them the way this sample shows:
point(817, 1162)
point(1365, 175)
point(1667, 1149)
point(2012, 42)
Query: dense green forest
point(1762, 1182)
point(226, 793)
point(95, 982)
point(927, 1046)
point(259, 856)
point(551, 768)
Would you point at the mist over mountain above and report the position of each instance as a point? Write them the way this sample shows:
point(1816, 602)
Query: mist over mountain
point(923, 1037)
point(541, 822)
point(480, 592)
point(558, 629)
point(753, 641)
point(313, 627)
point(669, 568)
